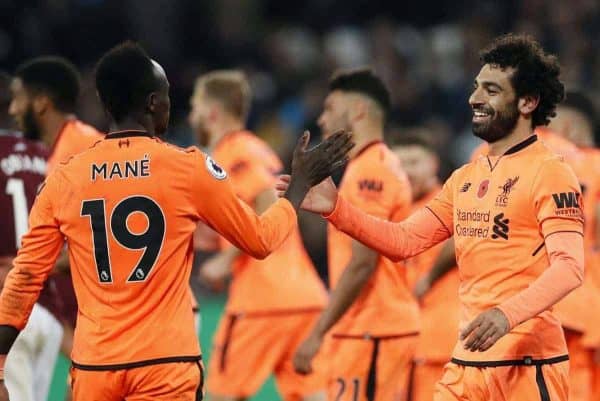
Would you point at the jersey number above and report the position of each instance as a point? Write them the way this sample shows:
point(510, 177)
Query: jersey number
point(150, 241)
point(342, 390)
point(16, 189)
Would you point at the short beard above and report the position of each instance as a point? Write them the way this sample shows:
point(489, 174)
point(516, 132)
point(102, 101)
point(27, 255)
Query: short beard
point(31, 129)
point(500, 126)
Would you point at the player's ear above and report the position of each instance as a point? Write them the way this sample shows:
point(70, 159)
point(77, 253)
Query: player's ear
point(151, 102)
point(527, 104)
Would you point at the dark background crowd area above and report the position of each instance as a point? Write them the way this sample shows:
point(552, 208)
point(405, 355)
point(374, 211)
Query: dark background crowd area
point(426, 51)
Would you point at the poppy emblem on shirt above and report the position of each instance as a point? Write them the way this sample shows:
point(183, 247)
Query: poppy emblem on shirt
point(215, 170)
point(483, 188)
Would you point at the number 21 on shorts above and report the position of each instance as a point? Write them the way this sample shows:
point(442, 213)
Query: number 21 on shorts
point(150, 241)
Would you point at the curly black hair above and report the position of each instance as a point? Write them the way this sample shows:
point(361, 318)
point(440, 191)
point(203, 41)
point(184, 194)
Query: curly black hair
point(536, 73)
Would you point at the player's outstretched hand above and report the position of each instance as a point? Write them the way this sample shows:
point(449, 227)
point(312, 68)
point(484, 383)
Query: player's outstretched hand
point(311, 166)
point(319, 199)
point(305, 354)
point(3, 391)
point(485, 330)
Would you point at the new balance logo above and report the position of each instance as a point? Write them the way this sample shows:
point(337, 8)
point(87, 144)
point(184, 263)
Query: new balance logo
point(500, 228)
point(465, 187)
point(565, 200)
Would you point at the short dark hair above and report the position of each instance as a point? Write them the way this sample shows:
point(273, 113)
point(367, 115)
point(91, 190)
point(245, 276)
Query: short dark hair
point(54, 77)
point(536, 73)
point(362, 81)
point(415, 139)
point(124, 79)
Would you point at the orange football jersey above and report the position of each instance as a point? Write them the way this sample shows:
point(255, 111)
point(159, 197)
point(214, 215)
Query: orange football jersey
point(73, 138)
point(128, 208)
point(574, 310)
point(286, 280)
point(375, 183)
point(500, 209)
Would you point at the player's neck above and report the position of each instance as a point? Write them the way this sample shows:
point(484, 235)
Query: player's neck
point(52, 125)
point(222, 130)
point(363, 137)
point(132, 124)
point(521, 132)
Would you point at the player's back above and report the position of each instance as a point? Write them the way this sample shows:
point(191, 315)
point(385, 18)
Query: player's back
point(127, 209)
point(22, 170)
point(374, 182)
point(286, 280)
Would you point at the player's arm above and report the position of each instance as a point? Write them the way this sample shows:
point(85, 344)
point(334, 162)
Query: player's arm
point(353, 279)
point(257, 235)
point(561, 225)
point(34, 262)
point(445, 262)
point(217, 269)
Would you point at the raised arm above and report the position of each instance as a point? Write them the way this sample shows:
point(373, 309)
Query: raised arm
point(257, 235)
point(396, 241)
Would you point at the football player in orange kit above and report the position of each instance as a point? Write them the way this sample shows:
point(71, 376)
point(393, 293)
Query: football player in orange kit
point(570, 135)
point(439, 307)
point(374, 313)
point(128, 208)
point(272, 303)
point(517, 223)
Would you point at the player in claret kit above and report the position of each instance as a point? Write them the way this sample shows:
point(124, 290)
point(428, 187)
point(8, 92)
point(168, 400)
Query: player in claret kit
point(29, 365)
point(44, 93)
point(128, 208)
point(517, 223)
point(272, 303)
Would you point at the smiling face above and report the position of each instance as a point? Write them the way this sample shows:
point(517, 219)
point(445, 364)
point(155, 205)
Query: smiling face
point(494, 104)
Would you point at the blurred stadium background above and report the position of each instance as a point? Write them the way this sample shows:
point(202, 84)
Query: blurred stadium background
point(426, 51)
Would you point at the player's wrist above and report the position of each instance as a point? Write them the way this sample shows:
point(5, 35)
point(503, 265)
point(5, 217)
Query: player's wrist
point(297, 191)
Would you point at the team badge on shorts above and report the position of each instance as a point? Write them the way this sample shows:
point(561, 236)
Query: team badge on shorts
point(215, 169)
point(483, 188)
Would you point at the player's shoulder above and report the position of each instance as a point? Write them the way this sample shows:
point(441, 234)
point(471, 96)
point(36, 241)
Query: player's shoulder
point(86, 130)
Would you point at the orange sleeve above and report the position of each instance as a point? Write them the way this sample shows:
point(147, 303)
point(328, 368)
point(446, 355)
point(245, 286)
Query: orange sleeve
point(396, 241)
point(218, 205)
point(250, 178)
point(565, 251)
point(35, 260)
point(557, 198)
